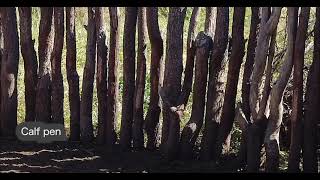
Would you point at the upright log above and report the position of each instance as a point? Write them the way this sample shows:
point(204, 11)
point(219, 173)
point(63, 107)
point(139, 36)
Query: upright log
point(192, 129)
point(216, 84)
point(257, 128)
point(248, 66)
point(72, 74)
point(30, 61)
point(311, 117)
point(191, 52)
point(113, 80)
point(129, 55)
point(9, 71)
point(1, 54)
point(138, 138)
point(271, 139)
point(57, 79)
point(245, 88)
point(101, 74)
point(152, 118)
point(172, 80)
point(43, 95)
point(210, 21)
point(86, 127)
point(297, 99)
point(237, 53)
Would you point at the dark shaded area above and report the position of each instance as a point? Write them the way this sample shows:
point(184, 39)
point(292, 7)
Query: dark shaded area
point(18, 156)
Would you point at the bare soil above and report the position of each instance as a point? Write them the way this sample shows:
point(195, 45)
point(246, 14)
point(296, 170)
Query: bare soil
point(73, 157)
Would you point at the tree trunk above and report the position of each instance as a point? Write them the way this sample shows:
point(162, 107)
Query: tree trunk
point(248, 66)
point(86, 127)
point(172, 80)
point(268, 25)
point(255, 135)
point(152, 117)
point(129, 54)
point(187, 83)
point(265, 102)
point(215, 92)
point(30, 61)
point(237, 53)
point(312, 103)
point(297, 99)
point(191, 51)
point(188, 77)
point(191, 130)
point(257, 128)
point(210, 21)
point(1, 55)
point(271, 140)
point(113, 80)
point(138, 138)
point(101, 74)
point(9, 71)
point(43, 94)
point(245, 89)
point(57, 80)
point(72, 74)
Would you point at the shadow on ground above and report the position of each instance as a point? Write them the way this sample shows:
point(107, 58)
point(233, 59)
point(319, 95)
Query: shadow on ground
point(17, 156)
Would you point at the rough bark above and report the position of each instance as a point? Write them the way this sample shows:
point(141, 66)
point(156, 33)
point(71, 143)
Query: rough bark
point(9, 71)
point(1, 54)
point(268, 25)
point(297, 99)
point(30, 61)
point(256, 130)
point(129, 55)
point(191, 130)
point(210, 21)
point(248, 66)
point(72, 74)
point(43, 94)
point(237, 53)
point(187, 83)
point(152, 117)
point(138, 138)
point(191, 51)
point(264, 102)
point(113, 80)
point(86, 127)
point(101, 74)
point(255, 135)
point(271, 140)
point(216, 84)
point(245, 89)
point(311, 117)
point(57, 79)
point(172, 80)
point(188, 73)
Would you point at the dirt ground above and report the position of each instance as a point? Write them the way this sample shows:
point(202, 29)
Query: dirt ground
point(75, 157)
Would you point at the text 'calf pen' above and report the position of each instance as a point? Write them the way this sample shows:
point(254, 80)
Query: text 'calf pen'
point(247, 86)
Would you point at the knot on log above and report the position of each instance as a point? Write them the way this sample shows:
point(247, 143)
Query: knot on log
point(203, 40)
point(177, 109)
